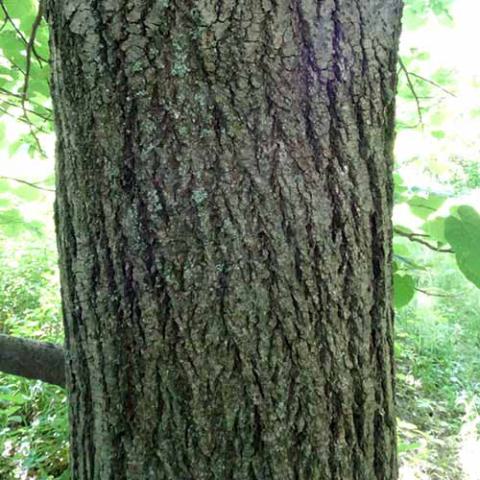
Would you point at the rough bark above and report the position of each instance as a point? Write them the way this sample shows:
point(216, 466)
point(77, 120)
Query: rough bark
point(33, 360)
point(223, 210)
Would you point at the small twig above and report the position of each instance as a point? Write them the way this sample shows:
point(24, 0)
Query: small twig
point(9, 19)
point(406, 260)
point(431, 82)
point(28, 65)
point(416, 237)
point(30, 184)
point(5, 22)
point(17, 66)
point(30, 45)
point(30, 51)
point(20, 97)
point(11, 94)
point(12, 23)
point(436, 294)
point(5, 111)
point(421, 235)
point(414, 93)
point(33, 112)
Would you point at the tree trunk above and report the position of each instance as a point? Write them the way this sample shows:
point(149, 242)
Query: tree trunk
point(223, 208)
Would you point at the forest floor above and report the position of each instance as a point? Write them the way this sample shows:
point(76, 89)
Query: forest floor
point(438, 391)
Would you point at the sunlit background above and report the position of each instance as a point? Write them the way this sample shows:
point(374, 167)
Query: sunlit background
point(441, 156)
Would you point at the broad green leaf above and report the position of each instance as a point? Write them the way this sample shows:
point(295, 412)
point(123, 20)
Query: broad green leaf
point(17, 144)
point(462, 231)
point(4, 185)
point(35, 227)
point(414, 17)
point(438, 134)
point(422, 56)
point(11, 222)
point(401, 249)
point(423, 207)
point(13, 47)
point(3, 130)
point(403, 228)
point(443, 76)
point(416, 12)
point(435, 229)
point(404, 289)
point(50, 181)
point(22, 10)
point(38, 86)
point(400, 189)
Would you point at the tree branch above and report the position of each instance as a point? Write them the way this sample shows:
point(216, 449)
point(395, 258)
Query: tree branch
point(437, 294)
point(22, 37)
point(12, 23)
point(30, 50)
point(33, 360)
point(28, 65)
point(431, 82)
point(416, 237)
point(30, 184)
point(414, 93)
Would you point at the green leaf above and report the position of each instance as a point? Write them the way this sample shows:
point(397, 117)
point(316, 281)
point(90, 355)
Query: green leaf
point(24, 10)
point(443, 76)
point(50, 181)
point(3, 130)
point(4, 185)
point(15, 146)
point(404, 447)
point(11, 222)
point(438, 134)
point(436, 229)
point(462, 231)
point(404, 289)
point(414, 16)
point(423, 207)
point(401, 249)
point(13, 47)
point(400, 189)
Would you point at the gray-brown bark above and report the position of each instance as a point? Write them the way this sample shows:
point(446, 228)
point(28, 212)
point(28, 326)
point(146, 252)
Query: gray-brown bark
point(33, 360)
point(223, 209)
